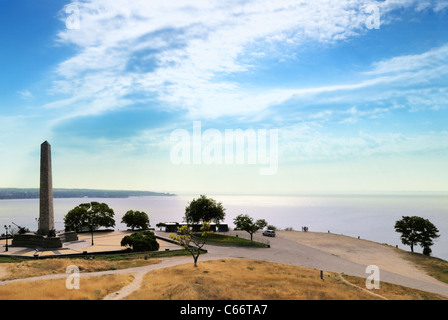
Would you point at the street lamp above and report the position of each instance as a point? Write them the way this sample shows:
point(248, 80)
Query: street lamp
point(7, 228)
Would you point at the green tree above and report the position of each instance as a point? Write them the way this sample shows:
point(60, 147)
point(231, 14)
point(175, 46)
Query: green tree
point(246, 223)
point(91, 216)
point(74, 220)
point(417, 231)
point(185, 237)
point(136, 219)
point(204, 209)
point(141, 241)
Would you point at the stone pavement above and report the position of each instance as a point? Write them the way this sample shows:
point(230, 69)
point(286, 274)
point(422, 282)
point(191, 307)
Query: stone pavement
point(103, 242)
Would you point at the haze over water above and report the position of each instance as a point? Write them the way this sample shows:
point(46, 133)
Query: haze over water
point(371, 217)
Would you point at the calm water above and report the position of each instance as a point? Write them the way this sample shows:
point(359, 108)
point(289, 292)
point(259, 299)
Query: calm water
point(370, 217)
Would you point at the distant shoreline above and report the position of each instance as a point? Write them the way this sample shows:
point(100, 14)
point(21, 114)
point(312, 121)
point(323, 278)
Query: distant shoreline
point(33, 193)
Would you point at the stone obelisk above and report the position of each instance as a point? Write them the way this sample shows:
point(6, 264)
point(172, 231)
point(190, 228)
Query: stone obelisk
point(46, 211)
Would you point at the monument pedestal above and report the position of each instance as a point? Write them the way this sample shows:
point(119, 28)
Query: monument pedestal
point(37, 241)
point(31, 240)
point(68, 236)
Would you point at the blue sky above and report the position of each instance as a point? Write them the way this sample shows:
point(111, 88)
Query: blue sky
point(357, 109)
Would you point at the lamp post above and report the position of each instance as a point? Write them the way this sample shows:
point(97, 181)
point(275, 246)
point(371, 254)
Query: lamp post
point(7, 228)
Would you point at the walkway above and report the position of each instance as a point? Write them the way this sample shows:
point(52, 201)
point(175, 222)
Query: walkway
point(103, 242)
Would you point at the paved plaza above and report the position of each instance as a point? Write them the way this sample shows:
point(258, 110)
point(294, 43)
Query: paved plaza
point(103, 242)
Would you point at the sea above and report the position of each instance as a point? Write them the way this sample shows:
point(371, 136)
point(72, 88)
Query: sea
point(370, 217)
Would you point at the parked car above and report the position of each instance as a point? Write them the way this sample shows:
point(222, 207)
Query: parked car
point(269, 233)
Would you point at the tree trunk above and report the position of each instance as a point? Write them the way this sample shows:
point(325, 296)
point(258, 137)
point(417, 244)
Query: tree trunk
point(196, 260)
point(412, 247)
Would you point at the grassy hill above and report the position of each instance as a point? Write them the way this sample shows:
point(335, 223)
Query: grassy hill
point(225, 279)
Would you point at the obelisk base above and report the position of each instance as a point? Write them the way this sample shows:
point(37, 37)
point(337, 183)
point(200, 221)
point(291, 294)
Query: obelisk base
point(37, 241)
point(31, 240)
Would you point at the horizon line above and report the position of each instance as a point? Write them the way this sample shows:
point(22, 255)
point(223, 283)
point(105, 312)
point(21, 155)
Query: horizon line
point(298, 193)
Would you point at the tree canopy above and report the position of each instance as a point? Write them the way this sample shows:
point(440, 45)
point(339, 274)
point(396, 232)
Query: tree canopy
point(417, 231)
point(204, 209)
point(141, 241)
point(136, 219)
point(246, 223)
point(91, 215)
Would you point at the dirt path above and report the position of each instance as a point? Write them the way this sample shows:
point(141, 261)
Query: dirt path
point(363, 289)
point(127, 290)
point(140, 272)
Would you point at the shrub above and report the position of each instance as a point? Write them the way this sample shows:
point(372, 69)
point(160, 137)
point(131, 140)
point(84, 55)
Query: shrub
point(427, 251)
point(51, 233)
point(141, 241)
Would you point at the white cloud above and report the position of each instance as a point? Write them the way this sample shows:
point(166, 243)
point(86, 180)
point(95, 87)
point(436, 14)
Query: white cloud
point(416, 62)
point(194, 47)
point(187, 55)
point(25, 94)
point(441, 5)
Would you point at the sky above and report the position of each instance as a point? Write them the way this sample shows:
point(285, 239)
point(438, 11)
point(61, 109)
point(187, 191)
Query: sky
point(332, 96)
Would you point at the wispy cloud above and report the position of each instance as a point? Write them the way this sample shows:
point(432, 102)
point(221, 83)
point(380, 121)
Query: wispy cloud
point(190, 53)
point(426, 60)
point(188, 58)
point(25, 94)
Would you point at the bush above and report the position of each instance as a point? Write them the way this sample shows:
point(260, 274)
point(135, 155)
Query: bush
point(51, 233)
point(141, 241)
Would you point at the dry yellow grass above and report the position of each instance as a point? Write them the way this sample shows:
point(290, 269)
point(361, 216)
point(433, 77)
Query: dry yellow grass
point(395, 292)
point(235, 279)
point(91, 288)
point(33, 268)
point(245, 279)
